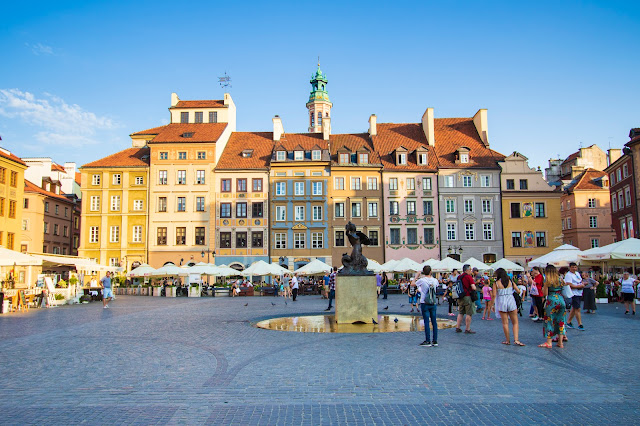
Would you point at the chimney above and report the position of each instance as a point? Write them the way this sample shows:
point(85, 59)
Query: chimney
point(326, 128)
point(480, 121)
point(427, 126)
point(278, 130)
point(613, 155)
point(373, 127)
point(174, 99)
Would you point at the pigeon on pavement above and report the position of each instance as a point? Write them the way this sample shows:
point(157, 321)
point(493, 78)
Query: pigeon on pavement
point(386, 308)
point(374, 321)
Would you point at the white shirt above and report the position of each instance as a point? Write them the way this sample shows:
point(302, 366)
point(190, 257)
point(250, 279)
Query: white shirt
point(423, 286)
point(575, 279)
point(294, 282)
point(627, 285)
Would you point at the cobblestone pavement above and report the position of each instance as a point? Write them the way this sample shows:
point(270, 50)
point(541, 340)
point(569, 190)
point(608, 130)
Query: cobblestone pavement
point(151, 360)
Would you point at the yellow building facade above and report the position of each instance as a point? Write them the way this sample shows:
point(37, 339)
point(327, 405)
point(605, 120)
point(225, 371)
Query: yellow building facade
point(11, 199)
point(531, 219)
point(115, 208)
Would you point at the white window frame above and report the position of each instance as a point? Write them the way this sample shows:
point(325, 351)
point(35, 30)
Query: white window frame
point(316, 188)
point(595, 242)
point(467, 179)
point(464, 157)
point(341, 209)
point(356, 183)
point(137, 234)
point(94, 234)
point(402, 159)
point(316, 213)
point(470, 231)
point(426, 184)
point(281, 188)
point(138, 205)
point(162, 177)
point(373, 209)
point(200, 177)
point(372, 183)
point(299, 240)
point(298, 155)
point(139, 180)
point(298, 188)
point(452, 231)
point(487, 231)
point(450, 202)
point(281, 155)
point(468, 202)
point(411, 211)
point(299, 213)
point(95, 180)
point(281, 213)
point(485, 181)
point(182, 177)
point(338, 183)
point(316, 154)
point(591, 203)
point(449, 181)
point(317, 240)
point(280, 239)
point(116, 179)
point(593, 222)
point(627, 196)
point(393, 184)
point(114, 234)
point(411, 184)
point(392, 210)
point(356, 209)
point(487, 206)
point(115, 203)
point(95, 203)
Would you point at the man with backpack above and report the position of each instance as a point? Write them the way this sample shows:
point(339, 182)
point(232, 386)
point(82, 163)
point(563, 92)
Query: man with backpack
point(465, 286)
point(428, 304)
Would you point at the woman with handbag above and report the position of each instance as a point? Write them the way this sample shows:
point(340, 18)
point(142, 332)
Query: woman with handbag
point(506, 305)
point(555, 309)
point(536, 293)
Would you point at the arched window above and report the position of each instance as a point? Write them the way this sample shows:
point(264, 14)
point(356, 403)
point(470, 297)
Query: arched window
point(311, 118)
point(320, 119)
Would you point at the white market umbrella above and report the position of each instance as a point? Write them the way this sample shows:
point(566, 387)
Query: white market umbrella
point(628, 249)
point(315, 267)
point(429, 262)
point(406, 265)
point(475, 263)
point(559, 257)
point(374, 266)
point(388, 266)
point(10, 258)
point(169, 270)
point(261, 268)
point(143, 270)
point(448, 264)
point(201, 268)
point(224, 271)
point(507, 265)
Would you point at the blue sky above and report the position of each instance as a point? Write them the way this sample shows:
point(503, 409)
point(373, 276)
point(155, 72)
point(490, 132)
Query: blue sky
point(78, 77)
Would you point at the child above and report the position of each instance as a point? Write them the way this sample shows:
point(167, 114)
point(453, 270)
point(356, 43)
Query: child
point(486, 296)
point(412, 291)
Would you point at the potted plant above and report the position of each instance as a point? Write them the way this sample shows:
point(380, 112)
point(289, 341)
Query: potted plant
point(601, 293)
point(194, 290)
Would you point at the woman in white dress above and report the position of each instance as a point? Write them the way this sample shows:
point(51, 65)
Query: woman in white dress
point(506, 305)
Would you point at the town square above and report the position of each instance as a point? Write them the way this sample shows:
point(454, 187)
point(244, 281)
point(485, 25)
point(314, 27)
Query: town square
point(253, 213)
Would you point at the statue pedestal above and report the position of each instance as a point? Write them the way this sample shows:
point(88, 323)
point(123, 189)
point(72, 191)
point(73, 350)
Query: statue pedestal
point(356, 299)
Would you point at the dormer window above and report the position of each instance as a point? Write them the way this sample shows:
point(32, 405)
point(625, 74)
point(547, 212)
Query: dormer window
point(281, 155)
point(402, 158)
point(345, 158)
point(363, 158)
point(422, 159)
point(298, 155)
point(315, 154)
point(187, 135)
point(247, 153)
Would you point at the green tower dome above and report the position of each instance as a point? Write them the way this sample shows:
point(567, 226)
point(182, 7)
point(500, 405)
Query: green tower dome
point(319, 86)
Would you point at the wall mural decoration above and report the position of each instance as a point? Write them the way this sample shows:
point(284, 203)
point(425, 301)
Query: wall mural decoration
point(529, 240)
point(527, 209)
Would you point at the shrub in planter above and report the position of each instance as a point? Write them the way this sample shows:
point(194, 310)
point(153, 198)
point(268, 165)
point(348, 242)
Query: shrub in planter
point(73, 281)
point(601, 291)
point(62, 284)
point(58, 296)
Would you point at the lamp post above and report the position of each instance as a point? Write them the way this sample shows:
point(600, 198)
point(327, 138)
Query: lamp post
point(455, 252)
point(213, 252)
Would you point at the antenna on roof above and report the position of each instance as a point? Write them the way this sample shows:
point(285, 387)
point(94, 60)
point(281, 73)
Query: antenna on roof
point(610, 138)
point(225, 81)
point(580, 144)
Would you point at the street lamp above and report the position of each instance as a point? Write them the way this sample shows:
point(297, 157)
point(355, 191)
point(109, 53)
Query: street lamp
point(455, 251)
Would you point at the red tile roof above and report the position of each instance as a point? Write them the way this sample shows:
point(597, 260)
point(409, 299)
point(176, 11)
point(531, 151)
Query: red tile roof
point(409, 135)
point(152, 131)
point(79, 178)
point(200, 104)
point(12, 157)
point(570, 158)
point(454, 133)
point(57, 167)
point(261, 144)
point(130, 157)
point(353, 142)
point(589, 180)
point(32, 187)
point(201, 132)
point(289, 141)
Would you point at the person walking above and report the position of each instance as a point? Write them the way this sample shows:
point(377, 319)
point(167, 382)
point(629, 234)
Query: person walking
point(487, 292)
point(554, 310)
point(325, 285)
point(294, 286)
point(107, 291)
point(506, 306)
point(378, 284)
point(574, 280)
point(477, 279)
point(385, 285)
point(589, 294)
point(287, 286)
point(627, 291)
point(332, 286)
point(412, 291)
point(427, 286)
point(536, 287)
point(465, 304)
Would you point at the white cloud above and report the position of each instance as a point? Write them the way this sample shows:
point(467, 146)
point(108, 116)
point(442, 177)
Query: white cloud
point(40, 49)
point(61, 124)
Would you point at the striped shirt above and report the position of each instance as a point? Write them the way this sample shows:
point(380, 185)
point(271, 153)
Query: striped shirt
point(332, 281)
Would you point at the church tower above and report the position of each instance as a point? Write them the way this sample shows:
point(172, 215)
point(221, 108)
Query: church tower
point(319, 106)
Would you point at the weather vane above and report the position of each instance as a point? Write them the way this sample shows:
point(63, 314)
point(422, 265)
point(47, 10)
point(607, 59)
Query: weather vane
point(225, 81)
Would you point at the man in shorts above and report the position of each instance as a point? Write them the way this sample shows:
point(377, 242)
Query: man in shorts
point(107, 293)
point(465, 305)
point(574, 280)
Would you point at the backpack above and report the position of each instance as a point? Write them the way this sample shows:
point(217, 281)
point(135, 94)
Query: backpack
point(458, 289)
point(430, 298)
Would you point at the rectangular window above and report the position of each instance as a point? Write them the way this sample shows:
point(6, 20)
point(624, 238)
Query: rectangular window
point(339, 183)
point(182, 177)
point(200, 177)
point(394, 208)
point(540, 210)
point(46, 227)
point(485, 181)
point(450, 205)
point(225, 209)
point(356, 209)
point(12, 209)
point(161, 236)
point(393, 184)
point(95, 203)
point(199, 117)
point(281, 188)
point(199, 204)
point(241, 209)
point(298, 155)
point(57, 208)
point(25, 224)
point(516, 239)
point(411, 184)
point(402, 159)
point(138, 205)
point(541, 239)
point(363, 158)
point(162, 204)
point(241, 239)
point(256, 185)
point(373, 209)
point(162, 177)
point(139, 180)
point(427, 207)
point(182, 204)
point(316, 154)
point(10, 238)
point(618, 175)
point(317, 213)
point(344, 158)
point(422, 159)
point(614, 202)
point(524, 184)
point(339, 209)
point(256, 239)
point(281, 240)
point(46, 207)
point(95, 180)
point(449, 182)
point(137, 234)
point(115, 203)
point(164, 155)
point(620, 200)
point(2, 207)
point(469, 231)
point(184, 117)
point(394, 236)
point(627, 196)
point(466, 181)
point(241, 185)
point(316, 188)
point(411, 208)
point(515, 210)
point(486, 206)
point(299, 212)
point(372, 184)
point(511, 184)
point(201, 155)
point(451, 232)
point(225, 185)
point(117, 179)
point(56, 229)
point(256, 209)
point(3, 178)
point(213, 116)
point(281, 155)
point(468, 206)
point(568, 223)
point(593, 221)
point(25, 204)
point(595, 242)
point(355, 183)
point(412, 236)
point(625, 170)
point(181, 236)
point(94, 233)
point(317, 240)
point(487, 231)
point(281, 213)
point(429, 236)
point(298, 240)
point(339, 238)
point(298, 188)
point(114, 234)
point(225, 240)
point(592, 203)
point(65, 231)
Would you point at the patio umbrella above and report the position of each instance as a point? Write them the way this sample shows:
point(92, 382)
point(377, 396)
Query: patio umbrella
point(201, 268)
point(224, 271)
point(261, 268)
point(628, 249)
point(507, 265)
point(475, 263)
point(388, 266)
point(560, 256)
point(374, 266)
point(169, 270)
point(447, 264)
point(315, 267)
point(143, 270)
point(406, 265)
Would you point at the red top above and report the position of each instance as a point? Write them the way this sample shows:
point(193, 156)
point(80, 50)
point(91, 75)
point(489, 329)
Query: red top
point(467, 282)
point(538, 281)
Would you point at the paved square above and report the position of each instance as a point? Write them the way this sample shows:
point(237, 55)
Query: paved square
point(151, 360)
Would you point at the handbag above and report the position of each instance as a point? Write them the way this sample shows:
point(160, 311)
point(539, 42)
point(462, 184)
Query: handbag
point(533, 290)
point(566, 292)
point(518, 299)
point(474, 295)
